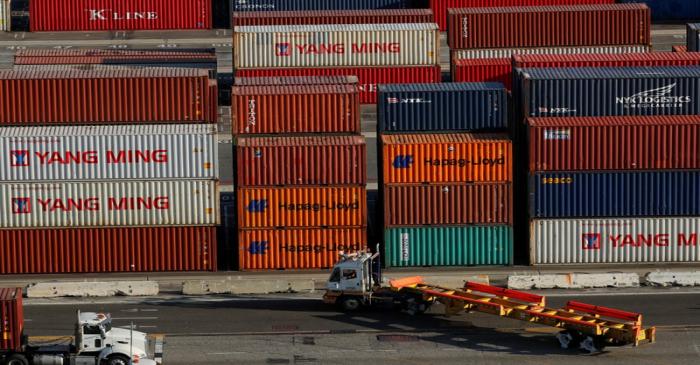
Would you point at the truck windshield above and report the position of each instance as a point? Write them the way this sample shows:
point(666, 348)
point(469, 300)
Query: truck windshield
point(335, 276)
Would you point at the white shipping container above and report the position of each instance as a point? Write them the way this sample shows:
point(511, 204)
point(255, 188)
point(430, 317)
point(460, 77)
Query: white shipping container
point(335, 45)
point(625, 240)
point(109, 204)
point(178, 151)
point(509, 52)
point(5, 11)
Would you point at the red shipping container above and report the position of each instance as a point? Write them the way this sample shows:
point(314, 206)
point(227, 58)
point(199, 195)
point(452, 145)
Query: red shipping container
point(111, 56)
point(614, 143)
point(82, 15)
point(107, 96)
point(608, 60)
point(297, 248)
point(483, 70)
point(546, 26)
point(83, 250)
point(440, 6)
point(295, 109)
point(295, 80)
point(369, 77)
point(679, 49)
point(11, 320)
point(313, 160)
point(365, 16)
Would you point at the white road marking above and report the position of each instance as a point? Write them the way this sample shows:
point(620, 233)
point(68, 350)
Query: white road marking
point(132, 318)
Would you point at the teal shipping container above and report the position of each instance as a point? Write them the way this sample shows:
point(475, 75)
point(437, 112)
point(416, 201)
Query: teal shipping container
point(448, 246)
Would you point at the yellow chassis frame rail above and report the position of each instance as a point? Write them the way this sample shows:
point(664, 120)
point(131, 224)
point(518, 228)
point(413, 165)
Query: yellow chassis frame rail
point(613, 325)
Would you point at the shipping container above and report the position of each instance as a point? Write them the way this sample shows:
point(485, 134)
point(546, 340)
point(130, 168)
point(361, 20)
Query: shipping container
point(205, 57)
point(115, 203)
point(614, 194)
point(295, 109)
point(671, 10)
point(5, 15)
point(286, 5)
point(614, 241)
point(448, 204)
point(607, 91)
point(335, 45)
point(295, 80)
point(693, 37)
point(273, 207)
point(171, 151)
point(607, 60)
point(290, 249)
point(679, 49)
point(306, 17)
point(439, 158)
point(510, 52)
point(368, 77)
point(448, 246)
point(441, 107)
point(614, 143)
point(547, 26)
point(85, 15)
point(102, 250)
point(114, 96)
point(11, 320)
point(483, 70)
point(309, 160)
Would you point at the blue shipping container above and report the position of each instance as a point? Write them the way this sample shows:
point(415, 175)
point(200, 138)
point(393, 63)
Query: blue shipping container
point(604, 91)
point(467, 106)
point(671, 10)
point(615, 194)
point(290, 5)
point(692, 39)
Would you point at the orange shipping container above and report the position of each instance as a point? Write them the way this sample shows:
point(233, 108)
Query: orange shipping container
point(438, 158)
point(302, 207)
point(296, 248)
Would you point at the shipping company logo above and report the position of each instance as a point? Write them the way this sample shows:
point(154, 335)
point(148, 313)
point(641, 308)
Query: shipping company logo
point(591, 241)
point(408, 101)
point(654, 98)
point(403, 161)
point(19, 158)
point(243, 4)
point(110, 14)
point(21, 206)
point(257, 206)
point(557, 134)
point(258, 247)
point(283, 49)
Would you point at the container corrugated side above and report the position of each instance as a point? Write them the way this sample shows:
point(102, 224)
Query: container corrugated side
point(309, 160)
point(368, 77)
point(173, 151)
point(438, 158)
point(114, 203)
point(11, 320)
point(448, 246)
point(294, 80)
point(692, 39)
point(5, 15)
point(483, 70)
point(335, 45)
point(101, 250)
point(288, 249)
point(337, 206)
point(509, 52)
point(368, 16)
point(82, 15)
point(614, 241)
point(607, 60)
point(113, 56)
point(679, 49)
point(615, 194)
point(286, 5)
point(614, 143)
point(448, 204)
point(671, 10)
point(442, 107)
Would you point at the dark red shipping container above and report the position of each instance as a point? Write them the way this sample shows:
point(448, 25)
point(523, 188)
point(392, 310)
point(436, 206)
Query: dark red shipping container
point(608, 60)
point(120, 95)
point(82, 15)
point(679, 49)
point(483, 70)
point(11, 320)
point(295, 109)
point(312, 160)
point(295, 80)
point(614, 143)
point(368, 77)
point(448, 204)
point(440, 6)
point(111, 56)
point(83, 250)
point(365, 16)
point(546, 26)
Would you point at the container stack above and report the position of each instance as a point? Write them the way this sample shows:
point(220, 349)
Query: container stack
point(300, 171)
point(445, 174)
point(93, 184)
point(692, 38)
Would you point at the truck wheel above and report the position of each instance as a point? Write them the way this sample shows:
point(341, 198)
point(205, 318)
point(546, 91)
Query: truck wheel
point(350, 304)
point(118, 360)
point(16, 359)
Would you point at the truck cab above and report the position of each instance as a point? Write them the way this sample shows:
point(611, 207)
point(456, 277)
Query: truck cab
point(113, 346)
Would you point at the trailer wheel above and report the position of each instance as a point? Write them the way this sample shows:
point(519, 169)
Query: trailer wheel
point(569, 339)
point(593, 344)
point(16, 359)
point(350, 304)
point(118, 360)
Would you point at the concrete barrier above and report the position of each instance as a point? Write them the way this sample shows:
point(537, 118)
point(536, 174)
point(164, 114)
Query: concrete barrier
point(673, 278)
point(573, 281)
point(247, 286)
point(92, 289)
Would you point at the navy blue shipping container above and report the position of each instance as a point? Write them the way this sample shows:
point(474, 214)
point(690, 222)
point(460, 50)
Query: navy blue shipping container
point(693, 37)
point(287, 5)
point(671, 10)
point(605, 91)
point(467, 106)
point(615, 194)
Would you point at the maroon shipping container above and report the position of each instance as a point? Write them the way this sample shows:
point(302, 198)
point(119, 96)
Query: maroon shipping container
point(547, 26)
point(81, 15)
point(313, 160)
point(483, 70)
point(107, 96)
point(107, 56)
point(365, 16)
point(608, 60)
point(614, 143)
point(11, 319)
point(448, 204)
point(679, 49)
point(368, 77)
point(295, 80)
point(82, 250)
point(295, 109)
